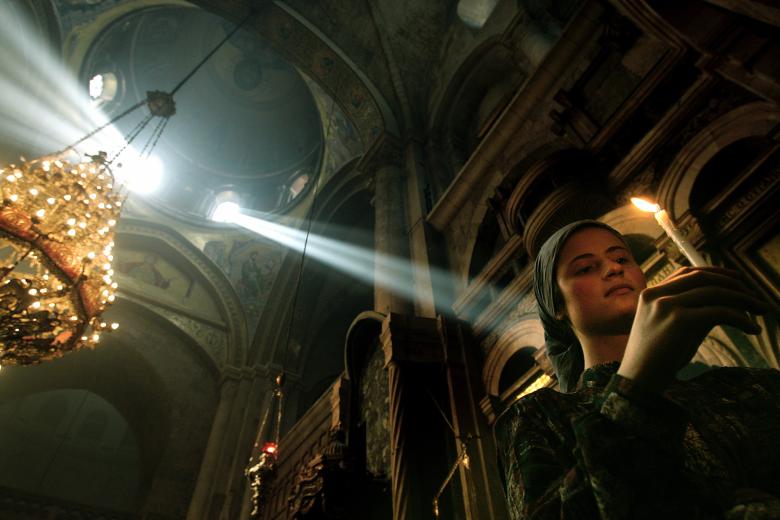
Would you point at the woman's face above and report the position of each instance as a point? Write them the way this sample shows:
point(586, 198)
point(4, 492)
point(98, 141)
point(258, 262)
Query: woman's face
point(600, 283)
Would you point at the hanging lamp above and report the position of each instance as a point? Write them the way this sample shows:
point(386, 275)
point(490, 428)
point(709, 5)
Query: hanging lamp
point(57, 224)
point(262, 463)
point(261, 469)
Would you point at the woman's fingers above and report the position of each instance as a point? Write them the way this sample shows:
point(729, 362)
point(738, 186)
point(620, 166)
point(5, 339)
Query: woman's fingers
point(684, 271)
point(719, 296)
point(698, 277)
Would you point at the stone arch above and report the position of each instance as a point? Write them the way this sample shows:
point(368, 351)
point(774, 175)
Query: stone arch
point(753, 119)
point(553, 169)
point(570, 202)
point(140, 396)
point(510, 191)
point(364, 328)
point(189, 258)
point(480, 213)
point(481, 86)
point(526, 332)
point(639, 228)
point(444, 107)
point(127, 309)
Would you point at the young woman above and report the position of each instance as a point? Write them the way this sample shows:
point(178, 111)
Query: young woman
point(626, 439)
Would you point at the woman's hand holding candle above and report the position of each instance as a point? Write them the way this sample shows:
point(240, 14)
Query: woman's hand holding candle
point(674, 317)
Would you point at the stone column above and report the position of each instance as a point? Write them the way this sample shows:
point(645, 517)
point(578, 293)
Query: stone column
point(391, 244)
point(201, 497)
point(417, 432)
point(237, 483)
point(221, 481)
point(220, 485)
point(420, 235)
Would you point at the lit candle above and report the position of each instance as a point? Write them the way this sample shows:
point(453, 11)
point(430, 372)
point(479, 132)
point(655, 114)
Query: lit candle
point(685, 247)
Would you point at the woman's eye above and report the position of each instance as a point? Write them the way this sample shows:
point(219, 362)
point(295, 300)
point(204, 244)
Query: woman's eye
point(623, 260)
point(583, 270)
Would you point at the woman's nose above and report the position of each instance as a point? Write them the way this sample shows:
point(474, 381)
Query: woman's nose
point(613, 268)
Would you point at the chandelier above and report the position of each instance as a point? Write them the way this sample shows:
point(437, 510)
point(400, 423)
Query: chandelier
point(56, 235)
point(57, 221)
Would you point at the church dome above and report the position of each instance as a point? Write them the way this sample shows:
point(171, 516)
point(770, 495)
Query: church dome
point(246, 123)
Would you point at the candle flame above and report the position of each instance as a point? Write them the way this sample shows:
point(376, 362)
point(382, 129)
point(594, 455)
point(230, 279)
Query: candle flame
point(645, 205)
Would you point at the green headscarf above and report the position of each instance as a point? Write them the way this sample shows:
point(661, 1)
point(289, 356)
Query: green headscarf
point(563, 347)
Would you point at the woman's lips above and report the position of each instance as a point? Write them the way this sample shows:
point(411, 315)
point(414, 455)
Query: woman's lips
point(619, 289)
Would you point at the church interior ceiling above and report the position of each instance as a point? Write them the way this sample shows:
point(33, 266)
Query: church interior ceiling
point(501, 118)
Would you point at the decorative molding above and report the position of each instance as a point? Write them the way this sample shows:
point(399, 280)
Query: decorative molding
point(739, 208)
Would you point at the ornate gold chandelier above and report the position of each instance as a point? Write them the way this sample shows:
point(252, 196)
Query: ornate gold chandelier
point(56, 236)
point(57, 222)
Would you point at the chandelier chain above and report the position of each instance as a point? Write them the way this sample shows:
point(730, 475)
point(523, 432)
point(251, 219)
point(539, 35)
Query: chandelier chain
point(131, 136)
point(145, 121)
point(146, 151)
point(102, 127)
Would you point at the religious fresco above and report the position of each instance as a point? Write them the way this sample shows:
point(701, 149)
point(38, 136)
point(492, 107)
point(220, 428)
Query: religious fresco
point(158, 277)
point(251, 267)
point(150, 269)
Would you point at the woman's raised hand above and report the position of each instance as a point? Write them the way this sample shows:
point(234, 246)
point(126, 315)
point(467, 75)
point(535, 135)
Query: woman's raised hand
point(674, 317)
